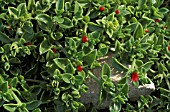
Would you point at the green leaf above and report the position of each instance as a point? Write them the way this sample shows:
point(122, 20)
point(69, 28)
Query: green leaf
point(69, 68)
point(109, 32)
point(106, 70)
point(102, 96)
point(125, 89)
point(164, 91)
point(44, 22)
point(132, 27)
point(94, 14)
point(139, 63)
point(78, 80)
point(141, 3)
point(103, 51)
point(90, 57)
point(33, 104)
point(61, 62)
point(152, 1)
point(28, 36)
point(138, 33)
point(118, 66)
point(147, 65)
point(94, 27)
point(146, 21)
point(58, 19)
point(14, 82)
point(60, 5)
point(78, 11)
point(4, 38)
point(115, 107)
point(162, 68)
point(117, 45)
point(15, 60)
point(75, 94)
point(36, 110)
point(96, 34)
point(56, 36)
point(66, 24)
point(163, 10)
point(8, 96)
point(4, 87)
point(10, 107)
point(1, 79)
point(50, 55)
point(44, 46)
point(22, 9)
point(31, 5)
point(67, 77)
point(28, 27)
point(13, 12)
point(1, 50)
point(71, 43)
point(76, 7)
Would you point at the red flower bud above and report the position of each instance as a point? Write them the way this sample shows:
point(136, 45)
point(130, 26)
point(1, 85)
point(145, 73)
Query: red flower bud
point(28, 44)
point(101, 8)
point(84, 39)
point(9, 87)
point(117, 11)
point(54, 50)
point(168, 48)
point(157, 20)
point(79, 68)
point(134, 77)
point(146, 30)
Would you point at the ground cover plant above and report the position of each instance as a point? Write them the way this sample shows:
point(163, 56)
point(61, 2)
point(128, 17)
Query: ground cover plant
point(49, 47)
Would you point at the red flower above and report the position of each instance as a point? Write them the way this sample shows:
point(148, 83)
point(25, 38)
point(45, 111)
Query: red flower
point(134, 77)
point(79, 68)
point(54, 50)
point(84, 39)
point(117, 11)
point(9, 87)
point(169, 48)
point(146, 30)
point(28, 44)
point(101, 8)
point(157, 20)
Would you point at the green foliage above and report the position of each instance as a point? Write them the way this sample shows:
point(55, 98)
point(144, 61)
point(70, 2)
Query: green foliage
point(41, 47)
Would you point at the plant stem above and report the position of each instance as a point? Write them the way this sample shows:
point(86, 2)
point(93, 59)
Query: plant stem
point(15, 97)
point(167, 82)
point(85, 28)
point(32, 80)
point(94, 77)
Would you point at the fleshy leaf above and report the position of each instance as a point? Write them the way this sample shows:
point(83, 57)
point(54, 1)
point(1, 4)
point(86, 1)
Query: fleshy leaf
point(4, 38)
point(44, 22)
point(44, 46)
point(138, 33)
point(10, 107)
point(90, 57)
point(33, 104)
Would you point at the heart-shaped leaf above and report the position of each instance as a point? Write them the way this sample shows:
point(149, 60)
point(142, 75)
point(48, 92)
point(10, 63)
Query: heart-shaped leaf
point(90, 57)
point(44, 46)
point(44, 22)
point(138, 33)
